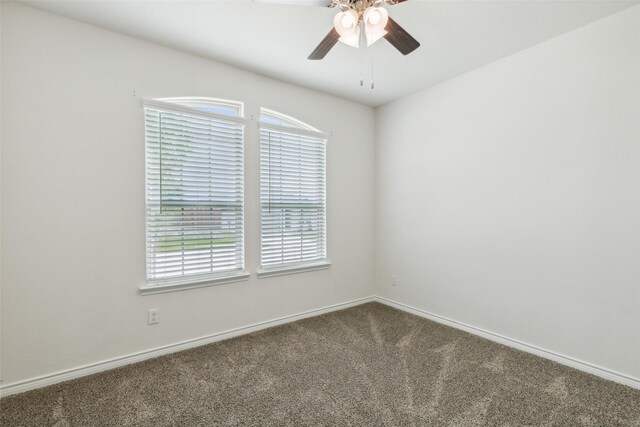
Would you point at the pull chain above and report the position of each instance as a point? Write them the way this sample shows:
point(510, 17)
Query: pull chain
point(361, 58)
point(373, 84)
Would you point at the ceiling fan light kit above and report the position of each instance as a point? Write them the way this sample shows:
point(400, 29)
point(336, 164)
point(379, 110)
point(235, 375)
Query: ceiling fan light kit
point(374, 20)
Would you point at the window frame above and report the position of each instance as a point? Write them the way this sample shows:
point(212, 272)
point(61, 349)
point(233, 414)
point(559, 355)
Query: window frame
point(295, 127)
point(177, 283)
point(197, 102)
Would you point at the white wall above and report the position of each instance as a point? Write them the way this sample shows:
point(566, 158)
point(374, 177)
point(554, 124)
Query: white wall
point(508, 198)
point(0, 193)
point(73, 196)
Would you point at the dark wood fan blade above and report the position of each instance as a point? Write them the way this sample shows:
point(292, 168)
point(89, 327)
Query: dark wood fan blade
point(399, 38)
point(325, 45)
point(392, 2)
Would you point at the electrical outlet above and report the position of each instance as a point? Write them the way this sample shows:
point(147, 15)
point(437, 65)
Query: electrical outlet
point(154, 316)
point(394, 280)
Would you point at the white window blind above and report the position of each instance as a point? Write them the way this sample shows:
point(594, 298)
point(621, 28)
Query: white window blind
point(194, 194)
point(292, 196)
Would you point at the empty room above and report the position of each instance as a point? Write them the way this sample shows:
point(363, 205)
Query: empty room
point(319, 213)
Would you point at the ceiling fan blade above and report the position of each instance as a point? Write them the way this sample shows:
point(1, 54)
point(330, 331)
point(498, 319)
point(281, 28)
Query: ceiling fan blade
point(323, 3)
point(392, 2)
point(399, 38)
point(325, 45)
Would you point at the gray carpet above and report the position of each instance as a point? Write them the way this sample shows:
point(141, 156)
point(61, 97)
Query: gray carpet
point(366, 366)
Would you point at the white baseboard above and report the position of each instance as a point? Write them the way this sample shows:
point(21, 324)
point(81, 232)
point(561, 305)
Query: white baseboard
point(92, 368)
point(69, 374)
point(510, 342)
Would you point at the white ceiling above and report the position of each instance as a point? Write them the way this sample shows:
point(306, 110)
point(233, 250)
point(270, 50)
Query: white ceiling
point(275, 40)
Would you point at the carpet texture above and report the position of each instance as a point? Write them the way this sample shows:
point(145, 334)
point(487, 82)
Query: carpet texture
point(365, 366)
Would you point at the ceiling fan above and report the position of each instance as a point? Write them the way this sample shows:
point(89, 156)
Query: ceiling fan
point(355, 18)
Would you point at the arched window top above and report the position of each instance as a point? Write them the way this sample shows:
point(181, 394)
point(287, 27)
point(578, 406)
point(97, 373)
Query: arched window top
point(222, 107)
point(270, 117)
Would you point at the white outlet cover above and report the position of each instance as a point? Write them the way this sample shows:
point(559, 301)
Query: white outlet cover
point(154, 316)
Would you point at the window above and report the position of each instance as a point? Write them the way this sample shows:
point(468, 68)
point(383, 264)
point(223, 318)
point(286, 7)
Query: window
point(194, 193)
point(292, 195)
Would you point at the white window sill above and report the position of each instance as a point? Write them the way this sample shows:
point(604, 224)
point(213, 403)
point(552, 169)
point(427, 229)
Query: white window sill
point(281, 271)
point(160, 288)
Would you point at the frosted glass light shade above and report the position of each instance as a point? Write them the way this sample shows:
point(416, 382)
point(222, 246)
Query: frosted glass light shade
point(346, 24)
point(375, 21)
